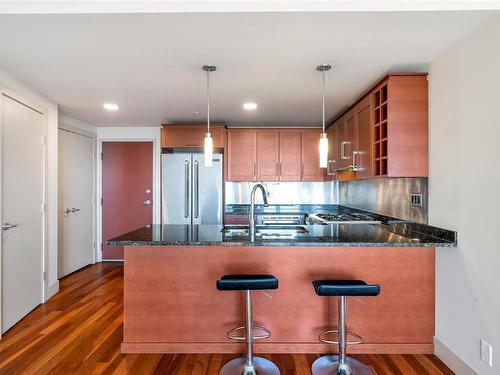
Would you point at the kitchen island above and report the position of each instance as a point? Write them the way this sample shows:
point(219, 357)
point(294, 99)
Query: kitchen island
point(172, 305)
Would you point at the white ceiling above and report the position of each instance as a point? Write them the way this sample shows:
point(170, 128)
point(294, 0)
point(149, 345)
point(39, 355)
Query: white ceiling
point(150, 64)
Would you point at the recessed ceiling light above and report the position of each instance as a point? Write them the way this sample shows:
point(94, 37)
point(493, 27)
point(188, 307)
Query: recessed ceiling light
point(250, 106)
point(111, 106)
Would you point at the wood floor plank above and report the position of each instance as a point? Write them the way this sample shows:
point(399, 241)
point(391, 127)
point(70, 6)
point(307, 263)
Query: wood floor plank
point(79, 331)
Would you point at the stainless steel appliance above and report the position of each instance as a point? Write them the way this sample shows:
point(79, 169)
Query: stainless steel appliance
point(191, 192)
point(341, 218)
point(282, 219)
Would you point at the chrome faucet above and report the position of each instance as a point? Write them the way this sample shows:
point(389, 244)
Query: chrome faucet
point(251, 230)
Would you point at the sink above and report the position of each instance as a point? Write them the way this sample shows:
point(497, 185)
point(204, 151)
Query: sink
point(265, 231)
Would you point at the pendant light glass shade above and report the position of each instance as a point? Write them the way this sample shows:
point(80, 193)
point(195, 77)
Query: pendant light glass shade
point(323, 140)
point(323, 151)
point(208, 145)
point(209, 149)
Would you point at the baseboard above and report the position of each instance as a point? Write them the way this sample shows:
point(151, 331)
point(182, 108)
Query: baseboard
point(112, 260)
point(219, 347)
point(51, 290)
point(451, 359)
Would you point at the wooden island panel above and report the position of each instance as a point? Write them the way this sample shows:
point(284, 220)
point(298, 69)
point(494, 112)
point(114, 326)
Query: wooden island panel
point(172, 305)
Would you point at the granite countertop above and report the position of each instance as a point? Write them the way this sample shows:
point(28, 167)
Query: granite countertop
point(335, 235)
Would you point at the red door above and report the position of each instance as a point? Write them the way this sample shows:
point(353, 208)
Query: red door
point(127, 177)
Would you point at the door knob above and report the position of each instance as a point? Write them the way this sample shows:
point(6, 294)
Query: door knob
point(67, 210)
point(146, 202)
point(75, 209)
point(7, 226)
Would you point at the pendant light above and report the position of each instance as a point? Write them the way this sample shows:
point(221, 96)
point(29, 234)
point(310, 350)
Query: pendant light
point(209, 145)
point(323, 140)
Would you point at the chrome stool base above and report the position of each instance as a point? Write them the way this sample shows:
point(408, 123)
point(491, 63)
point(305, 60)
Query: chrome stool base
point(330, 365)
point(261, 366)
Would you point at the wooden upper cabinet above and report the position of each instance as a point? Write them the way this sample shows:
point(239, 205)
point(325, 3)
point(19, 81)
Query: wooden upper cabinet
point(334, 131)
point(191, 135)
point(241, 155)
point(362, 153)
point(310, 156)
point(268, 155)
point(400, 126)
point(385, 133)
point(290, 155)
point(273, 155)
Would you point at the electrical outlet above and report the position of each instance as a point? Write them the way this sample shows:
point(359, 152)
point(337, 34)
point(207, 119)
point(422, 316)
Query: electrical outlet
point(486, 353)
point(416, 199)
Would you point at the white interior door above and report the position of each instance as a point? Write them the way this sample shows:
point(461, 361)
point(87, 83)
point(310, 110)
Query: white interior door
point(76, 206)
point(22, 218)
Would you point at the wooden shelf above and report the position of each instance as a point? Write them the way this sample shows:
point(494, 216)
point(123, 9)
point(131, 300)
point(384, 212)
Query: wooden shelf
point(380, 136)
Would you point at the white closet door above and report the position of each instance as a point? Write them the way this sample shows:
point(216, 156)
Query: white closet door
point(76, 206)
point(22, 218)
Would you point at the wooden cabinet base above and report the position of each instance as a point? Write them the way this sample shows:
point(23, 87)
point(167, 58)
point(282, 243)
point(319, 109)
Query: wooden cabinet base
point(172, 304)
point(260, 347)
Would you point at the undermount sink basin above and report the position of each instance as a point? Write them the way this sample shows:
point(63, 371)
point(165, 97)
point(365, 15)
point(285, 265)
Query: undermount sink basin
point(265, 231)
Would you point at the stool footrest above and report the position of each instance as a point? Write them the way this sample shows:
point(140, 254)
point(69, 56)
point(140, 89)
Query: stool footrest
point(238, 333)
point(323, 337)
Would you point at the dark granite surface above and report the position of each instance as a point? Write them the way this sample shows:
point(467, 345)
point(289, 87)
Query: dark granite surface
point(335, 235)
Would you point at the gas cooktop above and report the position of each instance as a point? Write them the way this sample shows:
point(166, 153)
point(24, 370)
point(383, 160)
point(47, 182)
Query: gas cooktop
point(341, 218)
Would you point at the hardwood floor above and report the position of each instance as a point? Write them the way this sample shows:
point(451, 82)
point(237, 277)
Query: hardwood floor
point(79, 331)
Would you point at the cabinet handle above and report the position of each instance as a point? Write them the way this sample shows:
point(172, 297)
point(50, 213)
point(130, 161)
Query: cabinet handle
point(355, 160)
point(302, 171)
point(342, 150)
point(186, 188)
point(254, 172)
point(196, 189)
point(330, 168)
point(281, 168)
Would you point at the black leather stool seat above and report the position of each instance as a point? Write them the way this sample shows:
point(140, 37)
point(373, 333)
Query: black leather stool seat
point(345, 288)
point(247, 282)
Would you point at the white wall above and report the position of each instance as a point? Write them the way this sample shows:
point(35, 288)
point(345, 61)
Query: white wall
point(81, 125)
point(148, 133)
point(6, 80)
point(464, 193)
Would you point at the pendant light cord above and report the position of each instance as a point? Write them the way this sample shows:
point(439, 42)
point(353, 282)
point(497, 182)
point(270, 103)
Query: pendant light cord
point(323, 94)
point(208, 101)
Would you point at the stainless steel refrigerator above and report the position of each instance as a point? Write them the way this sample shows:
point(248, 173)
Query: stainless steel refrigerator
point(191, 192)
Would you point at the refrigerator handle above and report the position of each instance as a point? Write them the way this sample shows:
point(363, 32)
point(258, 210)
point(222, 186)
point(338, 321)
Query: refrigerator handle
point(186, 188)
point(196, 188)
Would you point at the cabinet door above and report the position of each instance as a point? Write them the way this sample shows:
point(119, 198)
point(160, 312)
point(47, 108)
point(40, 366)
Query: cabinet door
point(267, 155)
point(289, 155)
point(191, 135)
point(363, 154)
point(310, 156)
point(241, 155)
point(342, 161)
point(333, 140)
point(351, 138)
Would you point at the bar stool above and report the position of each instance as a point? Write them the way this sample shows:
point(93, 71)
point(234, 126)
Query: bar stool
point(341, 364)
point(248, 365)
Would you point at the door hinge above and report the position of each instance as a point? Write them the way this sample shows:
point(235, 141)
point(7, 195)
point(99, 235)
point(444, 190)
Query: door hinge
point(44, 276)
point(93, 156)
point(102, 200)
point(43, 208)
point(42, 140)
point(102, 155)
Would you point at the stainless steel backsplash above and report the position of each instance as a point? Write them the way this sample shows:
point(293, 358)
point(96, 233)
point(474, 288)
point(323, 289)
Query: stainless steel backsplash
point(388, 196)
point(284, 192)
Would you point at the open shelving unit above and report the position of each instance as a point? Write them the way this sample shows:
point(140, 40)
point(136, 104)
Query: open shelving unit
point(380, 158)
